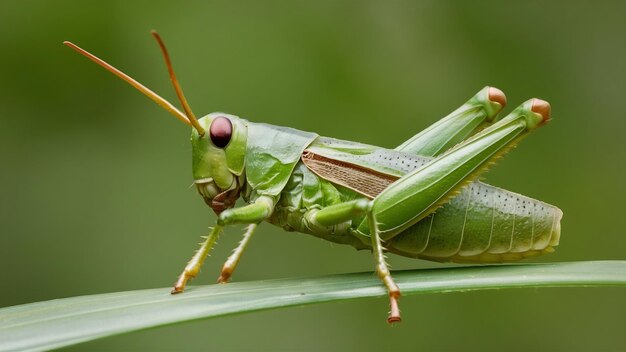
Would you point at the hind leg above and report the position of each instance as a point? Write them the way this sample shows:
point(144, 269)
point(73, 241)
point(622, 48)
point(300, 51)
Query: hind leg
point(458, 125)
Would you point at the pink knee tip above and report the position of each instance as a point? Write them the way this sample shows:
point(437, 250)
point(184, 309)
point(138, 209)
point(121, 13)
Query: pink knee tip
point(497, 96)
point(542, 108)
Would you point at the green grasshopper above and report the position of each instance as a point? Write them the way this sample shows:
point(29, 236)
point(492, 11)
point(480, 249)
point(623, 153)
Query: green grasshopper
point(419, 200)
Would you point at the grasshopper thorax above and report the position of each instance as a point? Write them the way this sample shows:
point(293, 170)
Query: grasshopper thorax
point(218, 159)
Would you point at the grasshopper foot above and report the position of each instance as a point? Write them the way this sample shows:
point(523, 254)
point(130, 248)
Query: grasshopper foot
point(224, 278)
point(394, 315)
point(179, 287)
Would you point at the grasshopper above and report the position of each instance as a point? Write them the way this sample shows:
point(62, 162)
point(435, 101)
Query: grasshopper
point(419, 200)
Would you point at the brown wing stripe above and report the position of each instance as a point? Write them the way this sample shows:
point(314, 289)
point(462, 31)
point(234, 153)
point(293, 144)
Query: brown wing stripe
point(359, 179)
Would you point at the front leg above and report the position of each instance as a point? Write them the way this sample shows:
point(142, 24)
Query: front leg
point(231, 263)
point(254, 213)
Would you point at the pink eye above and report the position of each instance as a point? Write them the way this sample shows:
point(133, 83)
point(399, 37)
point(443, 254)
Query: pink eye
point(221, 131)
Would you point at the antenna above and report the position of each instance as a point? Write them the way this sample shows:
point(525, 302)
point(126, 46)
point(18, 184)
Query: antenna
point(177, 88)
point(140, 87)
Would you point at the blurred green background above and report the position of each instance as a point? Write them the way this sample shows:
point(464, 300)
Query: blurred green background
point(94, 178)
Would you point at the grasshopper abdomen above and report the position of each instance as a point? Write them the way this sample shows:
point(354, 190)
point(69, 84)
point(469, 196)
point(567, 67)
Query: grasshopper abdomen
point(483, 224)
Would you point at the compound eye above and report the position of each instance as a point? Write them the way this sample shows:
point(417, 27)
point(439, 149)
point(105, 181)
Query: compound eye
point(221, 130)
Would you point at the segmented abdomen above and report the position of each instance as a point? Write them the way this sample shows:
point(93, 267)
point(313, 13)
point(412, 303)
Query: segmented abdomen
point(483, 224)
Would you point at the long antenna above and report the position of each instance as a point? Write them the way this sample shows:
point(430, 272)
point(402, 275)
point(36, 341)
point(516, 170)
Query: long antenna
point(177, 88)
point(140, 87)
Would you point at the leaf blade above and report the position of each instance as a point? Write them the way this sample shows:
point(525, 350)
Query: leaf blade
point(64, 322)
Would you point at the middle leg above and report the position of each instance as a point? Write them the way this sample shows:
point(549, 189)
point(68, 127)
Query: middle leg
point(339, 213)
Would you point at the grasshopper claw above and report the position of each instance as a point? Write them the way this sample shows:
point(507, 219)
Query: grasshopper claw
point(179, 287)
point(223, 279)
point(394, 315)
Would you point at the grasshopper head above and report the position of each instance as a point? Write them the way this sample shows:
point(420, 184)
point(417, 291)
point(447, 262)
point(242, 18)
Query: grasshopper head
point(218, 140)
point(218, 159)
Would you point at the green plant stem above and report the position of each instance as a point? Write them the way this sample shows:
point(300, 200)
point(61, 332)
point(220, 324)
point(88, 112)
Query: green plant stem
point(68, 321)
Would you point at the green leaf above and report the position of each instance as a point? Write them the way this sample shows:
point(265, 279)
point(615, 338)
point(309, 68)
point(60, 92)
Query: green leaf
point(68, 321)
